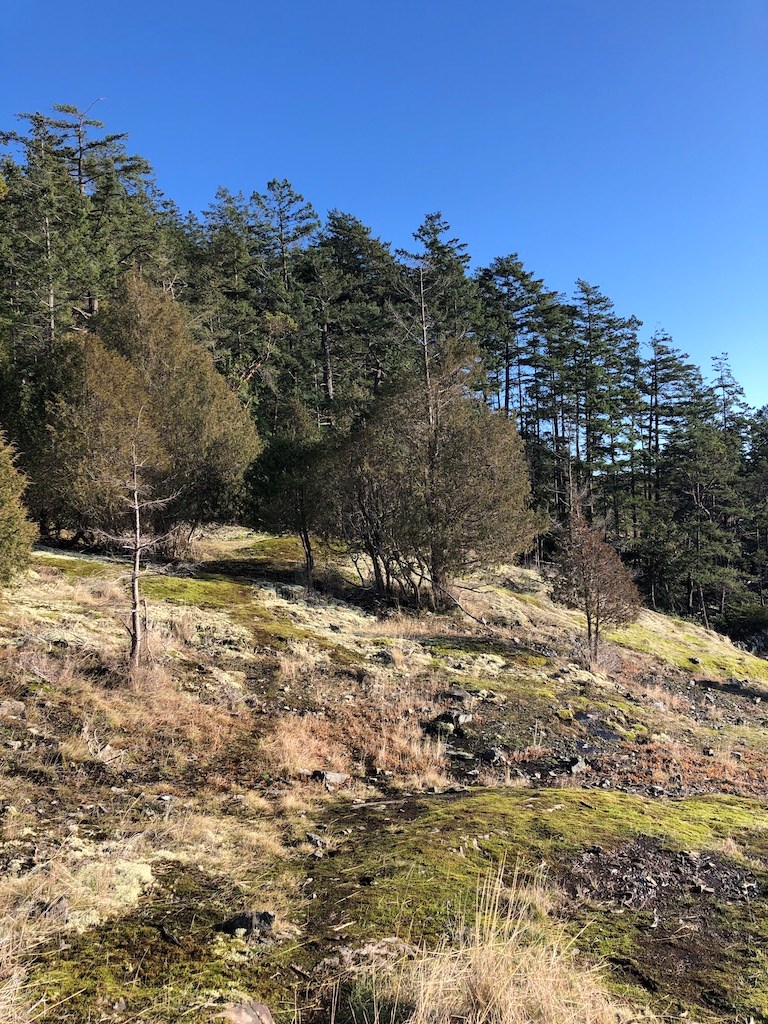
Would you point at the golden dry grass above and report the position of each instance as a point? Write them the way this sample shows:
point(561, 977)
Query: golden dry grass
point(377, 735)
point(511, 965)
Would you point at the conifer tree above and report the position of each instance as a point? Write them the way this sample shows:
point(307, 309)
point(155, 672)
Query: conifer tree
point(207, 434)
point(16, 531)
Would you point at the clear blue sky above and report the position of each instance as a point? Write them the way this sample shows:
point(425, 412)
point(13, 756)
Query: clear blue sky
point(622, 141)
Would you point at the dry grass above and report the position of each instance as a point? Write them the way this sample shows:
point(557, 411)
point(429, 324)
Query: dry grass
point(304, 743)
point(670, 701)
point(369, 736)
point(401, 627)
point(129, 716)
point(512, 965)
point(81, 884)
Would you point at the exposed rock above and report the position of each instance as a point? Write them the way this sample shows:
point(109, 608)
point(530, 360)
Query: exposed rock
point(642, 874)
point(447, 723)
point(12, 709)
point(56, 910)
point(251, 922)
point(247, 1013)
point(459, 695)
point(330, 778)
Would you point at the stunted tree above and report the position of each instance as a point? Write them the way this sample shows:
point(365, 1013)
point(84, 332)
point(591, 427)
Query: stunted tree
point(92, 433)
point(16, 531)
point(431, 484)
point(109, 472)
point(285, 489)
point(428, 503)
point(592, 578)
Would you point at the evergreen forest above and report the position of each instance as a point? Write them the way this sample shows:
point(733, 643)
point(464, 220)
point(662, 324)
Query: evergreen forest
point(258, 363)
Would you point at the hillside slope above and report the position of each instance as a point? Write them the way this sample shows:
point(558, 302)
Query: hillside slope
point(361, 778)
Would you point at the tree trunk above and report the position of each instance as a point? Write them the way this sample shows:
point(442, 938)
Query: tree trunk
point(327, 368)
point(51, 299)
point(440, 582)
point(136, 623)
point(309, 558)
point(702, 602)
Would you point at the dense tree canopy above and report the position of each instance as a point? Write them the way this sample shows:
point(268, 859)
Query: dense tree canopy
point(398, 396)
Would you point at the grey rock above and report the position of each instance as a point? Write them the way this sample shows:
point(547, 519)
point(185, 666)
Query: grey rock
point(57, 910)
point(449, 721)
point(462, 696)
point(247, 1013)
point(12, 709)
point(330, 778)
point(440, 727)
point(252, 922)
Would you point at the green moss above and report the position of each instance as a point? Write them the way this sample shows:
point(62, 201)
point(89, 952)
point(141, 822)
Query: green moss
point(472, 646)
point(678, 646)
point(722, 965)
point(427, 866)
point(531, 599)
point(414, 869)
point(127, 959)
point(77, 568)
point(205, 592)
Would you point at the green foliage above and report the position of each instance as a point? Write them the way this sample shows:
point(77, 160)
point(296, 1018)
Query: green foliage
point(16, 531)
point(285, 483)
point(206, 435)
point(95, 425)
point(427, 502)
point(321, 323)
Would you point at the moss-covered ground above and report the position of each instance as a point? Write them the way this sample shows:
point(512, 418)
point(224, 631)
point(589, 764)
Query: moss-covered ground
point(198, 774)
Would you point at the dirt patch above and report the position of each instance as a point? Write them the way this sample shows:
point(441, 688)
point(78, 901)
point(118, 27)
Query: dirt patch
point(643, 875)
point(681, 925)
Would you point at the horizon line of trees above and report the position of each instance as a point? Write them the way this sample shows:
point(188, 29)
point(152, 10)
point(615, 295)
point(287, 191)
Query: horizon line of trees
point(430, 417)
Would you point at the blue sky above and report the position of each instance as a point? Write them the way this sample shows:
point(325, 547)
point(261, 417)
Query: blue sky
point(622, 141)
